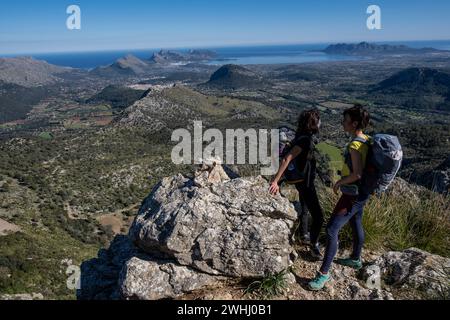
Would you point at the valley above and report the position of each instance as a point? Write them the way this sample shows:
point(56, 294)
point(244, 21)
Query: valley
point(80, 149)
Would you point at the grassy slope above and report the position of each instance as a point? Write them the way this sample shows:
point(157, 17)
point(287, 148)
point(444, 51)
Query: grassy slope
point(334, 154)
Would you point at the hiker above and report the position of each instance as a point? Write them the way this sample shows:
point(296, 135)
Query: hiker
point(349, 208)
point(298, 161)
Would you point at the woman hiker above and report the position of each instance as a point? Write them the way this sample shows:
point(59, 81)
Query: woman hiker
point(349, 208)
point(302, 153)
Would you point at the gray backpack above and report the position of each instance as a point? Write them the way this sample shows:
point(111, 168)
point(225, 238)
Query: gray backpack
point(383, 163)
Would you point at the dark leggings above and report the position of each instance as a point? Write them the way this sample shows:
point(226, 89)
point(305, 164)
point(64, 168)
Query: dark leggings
point(348, 209)
point(309, 199)
point(304, 217)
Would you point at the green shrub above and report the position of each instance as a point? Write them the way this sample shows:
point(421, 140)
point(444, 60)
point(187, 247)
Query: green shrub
point(270, 286)
point(398, 222)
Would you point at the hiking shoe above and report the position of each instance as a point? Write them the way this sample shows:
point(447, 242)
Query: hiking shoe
point(315, 252)
point(319, 281)
point(349, 262)
point(305, 238)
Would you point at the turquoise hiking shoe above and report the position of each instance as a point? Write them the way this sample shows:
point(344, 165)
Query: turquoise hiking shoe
point(319, 281)
point(348, 262)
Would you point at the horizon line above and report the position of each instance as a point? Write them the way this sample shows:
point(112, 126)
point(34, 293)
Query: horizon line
point(240, 45)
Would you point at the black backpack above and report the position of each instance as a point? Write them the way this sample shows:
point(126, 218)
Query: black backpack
point(293, 173)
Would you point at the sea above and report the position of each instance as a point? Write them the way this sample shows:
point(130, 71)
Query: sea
point(243, 55)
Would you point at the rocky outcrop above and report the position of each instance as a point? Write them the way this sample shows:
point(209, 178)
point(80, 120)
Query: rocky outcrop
point(151, 113)
point(415, 272)
point(192, 233)
point(152, 280)
point(233, 228)
point(196, 237)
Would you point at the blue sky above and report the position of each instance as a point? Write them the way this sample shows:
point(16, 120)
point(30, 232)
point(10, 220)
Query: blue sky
point(40, 26)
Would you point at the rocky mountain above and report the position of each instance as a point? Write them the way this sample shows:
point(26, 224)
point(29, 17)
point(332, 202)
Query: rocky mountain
point(417, 88)
point(132, 66)
point(29, 72)
point(169, 107)
point(156, 112)
point(365, 48)
point(171, 57)
point(192, 233)
point(126, 66)
point(211, 232)
point(234, 77)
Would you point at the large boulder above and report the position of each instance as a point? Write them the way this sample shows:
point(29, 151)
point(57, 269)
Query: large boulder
point(123, 271)
point(145, 279)
point(232, 228)
point(415, 272)
point(192, 233)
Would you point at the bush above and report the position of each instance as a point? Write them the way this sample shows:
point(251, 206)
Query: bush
point(396, 222)
point(399, 223)
point(270, 286)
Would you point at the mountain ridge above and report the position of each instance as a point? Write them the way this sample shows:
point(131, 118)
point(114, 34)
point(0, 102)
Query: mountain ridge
point(232, 76)
point(30, 72)
point(366, 48)
point(417, 88)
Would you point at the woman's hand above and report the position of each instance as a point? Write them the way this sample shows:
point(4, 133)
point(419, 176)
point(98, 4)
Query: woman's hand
point(274, 187)
point(336, 186)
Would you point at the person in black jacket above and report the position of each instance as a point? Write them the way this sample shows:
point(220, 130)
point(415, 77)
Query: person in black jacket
point(302, 153)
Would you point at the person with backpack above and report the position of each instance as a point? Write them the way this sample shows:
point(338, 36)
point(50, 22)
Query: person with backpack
point(349, 208)
point(370, 166)
point(298, 166)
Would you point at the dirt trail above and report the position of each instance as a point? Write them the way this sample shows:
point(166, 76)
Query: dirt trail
point(116, 219)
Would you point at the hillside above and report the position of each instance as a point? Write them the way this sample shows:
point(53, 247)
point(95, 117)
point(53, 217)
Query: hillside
point(116, 96)
point(235, 77)
point(94, 156)
point(172, 107)
point(123, 67)
point(29, 72)
point(423, 88)
point(17, 101)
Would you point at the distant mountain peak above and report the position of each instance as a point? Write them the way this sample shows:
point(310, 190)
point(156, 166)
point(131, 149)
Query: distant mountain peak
point(417, 77)
point(417, 87)
point(193, 55)
point(129, 65)
point(232, 76)
point(29, 72)
point(366, 48)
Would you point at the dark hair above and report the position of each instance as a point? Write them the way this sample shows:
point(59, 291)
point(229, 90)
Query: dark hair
point(358, 114)
point(308, 122)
